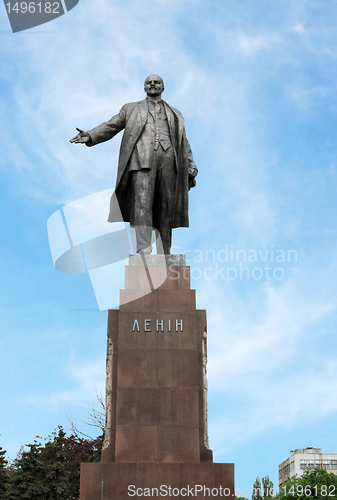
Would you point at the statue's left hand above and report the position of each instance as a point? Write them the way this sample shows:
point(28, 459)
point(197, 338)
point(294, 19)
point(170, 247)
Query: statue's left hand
point(81, 138)
point(192, 173)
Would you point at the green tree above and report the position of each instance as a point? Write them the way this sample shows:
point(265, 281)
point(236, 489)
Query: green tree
point(80, 450)
point(314, 484)
point(52, 471)
point(41, 473)
point(268, 488)
point(54, 457)
point(27, 479)
point(3, 473)
point(256, 492)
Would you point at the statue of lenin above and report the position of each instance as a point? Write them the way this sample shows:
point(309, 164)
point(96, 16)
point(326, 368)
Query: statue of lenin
point(155, 168)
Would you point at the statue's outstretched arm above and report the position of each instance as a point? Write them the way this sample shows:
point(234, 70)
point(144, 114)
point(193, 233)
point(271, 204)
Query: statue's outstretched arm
point(103, 132)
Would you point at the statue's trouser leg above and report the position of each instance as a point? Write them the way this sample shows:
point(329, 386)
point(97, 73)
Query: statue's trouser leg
point(143, 182)
point(164, 197)
point(153, 192)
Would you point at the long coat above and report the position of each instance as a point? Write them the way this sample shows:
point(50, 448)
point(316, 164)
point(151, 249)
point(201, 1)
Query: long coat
point(136, 150)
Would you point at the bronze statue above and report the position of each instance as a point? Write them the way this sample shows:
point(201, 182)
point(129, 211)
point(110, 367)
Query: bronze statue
point(155, 168)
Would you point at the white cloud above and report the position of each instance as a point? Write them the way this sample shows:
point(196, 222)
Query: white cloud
point(84, 380)
point(249, 45)
point(288, 402)
point(299, 28)
point(307, 98)
point(259, 365)
point(83, 86)
point(249, 344)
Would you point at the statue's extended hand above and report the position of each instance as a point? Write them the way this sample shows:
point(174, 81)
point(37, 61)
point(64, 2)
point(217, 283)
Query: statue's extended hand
point(81, 138)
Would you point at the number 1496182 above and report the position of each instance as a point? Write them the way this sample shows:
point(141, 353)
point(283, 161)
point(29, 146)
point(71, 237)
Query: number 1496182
point(322, 490)
point(34, 8)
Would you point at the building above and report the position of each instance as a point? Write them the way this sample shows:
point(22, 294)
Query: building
point(307, 458)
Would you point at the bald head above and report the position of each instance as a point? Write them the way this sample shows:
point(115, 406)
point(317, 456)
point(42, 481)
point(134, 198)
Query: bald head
point(154, 85)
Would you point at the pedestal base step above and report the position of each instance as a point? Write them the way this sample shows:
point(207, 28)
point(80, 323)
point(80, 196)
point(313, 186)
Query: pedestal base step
point(122, 481)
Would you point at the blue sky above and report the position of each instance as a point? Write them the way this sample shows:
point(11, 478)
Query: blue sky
point(256, 83)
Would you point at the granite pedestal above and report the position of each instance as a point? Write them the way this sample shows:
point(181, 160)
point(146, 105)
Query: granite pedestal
point(156, 428)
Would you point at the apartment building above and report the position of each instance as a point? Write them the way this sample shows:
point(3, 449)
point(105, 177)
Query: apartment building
point(306, 458)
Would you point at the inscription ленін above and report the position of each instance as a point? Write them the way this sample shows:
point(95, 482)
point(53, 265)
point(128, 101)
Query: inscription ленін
point(159, 325)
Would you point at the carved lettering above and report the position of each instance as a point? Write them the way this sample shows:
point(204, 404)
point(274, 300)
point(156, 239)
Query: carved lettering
point(161, 325)
point(135, 325)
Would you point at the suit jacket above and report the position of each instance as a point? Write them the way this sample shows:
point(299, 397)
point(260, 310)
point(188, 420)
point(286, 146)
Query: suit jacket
point(137, 149)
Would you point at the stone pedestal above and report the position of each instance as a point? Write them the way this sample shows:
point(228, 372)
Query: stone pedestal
point(156, 429)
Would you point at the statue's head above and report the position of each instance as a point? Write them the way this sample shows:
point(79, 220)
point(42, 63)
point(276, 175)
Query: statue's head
point(154, 85)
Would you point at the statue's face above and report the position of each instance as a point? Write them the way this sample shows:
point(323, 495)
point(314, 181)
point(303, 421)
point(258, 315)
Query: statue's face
point(154, 85)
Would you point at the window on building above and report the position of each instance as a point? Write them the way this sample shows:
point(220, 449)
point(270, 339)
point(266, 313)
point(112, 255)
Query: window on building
point(286, 470)
point(303, 464)
point(311, 464)
point(334, 464)
point(326, 464)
